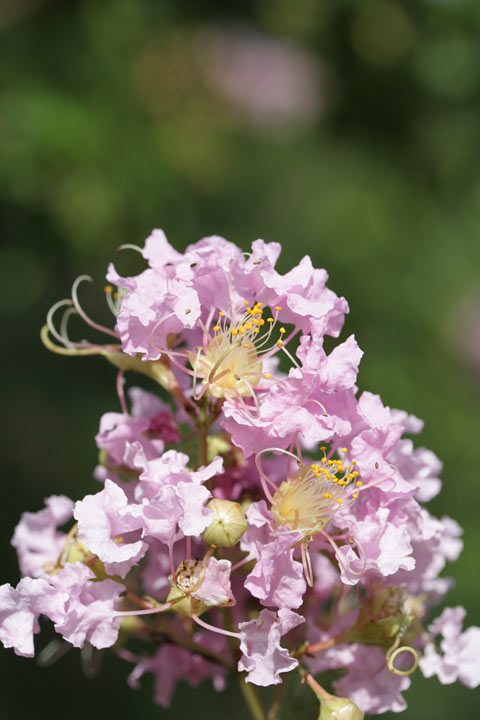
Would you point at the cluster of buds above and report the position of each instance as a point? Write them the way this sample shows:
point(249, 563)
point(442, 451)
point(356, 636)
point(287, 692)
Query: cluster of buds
point(287, 535)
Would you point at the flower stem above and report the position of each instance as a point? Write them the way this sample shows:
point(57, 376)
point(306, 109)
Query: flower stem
point(276, 706)
point(251, 697)
point(319, 691)
point(317, 647)
point(202, 433)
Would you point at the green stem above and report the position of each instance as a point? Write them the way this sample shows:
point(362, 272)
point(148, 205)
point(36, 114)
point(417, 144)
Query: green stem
point(251, 697)
point(276, 706)
point(202, 431)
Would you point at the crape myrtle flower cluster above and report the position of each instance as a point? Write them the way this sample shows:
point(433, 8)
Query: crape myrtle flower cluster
point(246, 520)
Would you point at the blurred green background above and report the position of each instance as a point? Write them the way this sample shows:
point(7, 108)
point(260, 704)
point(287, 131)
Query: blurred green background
point(345, 129)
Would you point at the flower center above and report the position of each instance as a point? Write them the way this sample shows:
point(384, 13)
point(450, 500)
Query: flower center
point(309, 499)
point(229, 363)
point(188, 575)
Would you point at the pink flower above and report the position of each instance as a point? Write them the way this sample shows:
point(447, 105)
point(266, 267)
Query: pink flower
point(385, 545)
point(263, 657)
point(215, 588)
point(36, 538)
point(89, 613)
point(81, 608)
point(171, 495)
point(117, 430)
point(199, 299)
point(20, 608)
point(369, 683)
point(310, 404)
point(461, 650)
point(171, 664)
point(110, 527)
point(277, 579)
point(158, 413)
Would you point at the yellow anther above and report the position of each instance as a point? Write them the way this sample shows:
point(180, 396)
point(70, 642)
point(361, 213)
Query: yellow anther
point(282, 330)
point(278, 308)
point(280, 343)
point(328, 496)
point(344, 449)
point(248, 325)
point(246, 345)
point(354, 496)
point(116, 295)
point(267, 376)
point(257, 329)
point(234, 331)
point(270, 320)
point(241, 330)
point(323, 448)
point(108, 288)
point(118, 539)
point(259, 304)
point(216, 328)
point(246, 302)
point(340, 501)
point(261, 322)
point(359, 483)
point(354, 462)
point(221, 313)
point(324, 460)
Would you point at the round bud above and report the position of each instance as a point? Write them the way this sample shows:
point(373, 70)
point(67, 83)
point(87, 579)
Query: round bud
point(184, 603)
point(336, 708)
point(228, 523)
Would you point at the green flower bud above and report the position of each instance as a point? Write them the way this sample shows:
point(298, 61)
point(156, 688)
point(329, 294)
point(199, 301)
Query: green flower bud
point(228, 523)
point(336, 708)
point(154, 369)
point(217, 445)
point(78, 552)
point(386, 615)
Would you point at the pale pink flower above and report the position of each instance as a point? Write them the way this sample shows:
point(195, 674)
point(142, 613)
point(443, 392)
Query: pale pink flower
point(263, 657)
point(89, 613)
point(110, 528)
point(171, 664)
point(460, 650)
point(20, 608)
point(36, 538)
point(369, 683)
point(215, 588)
